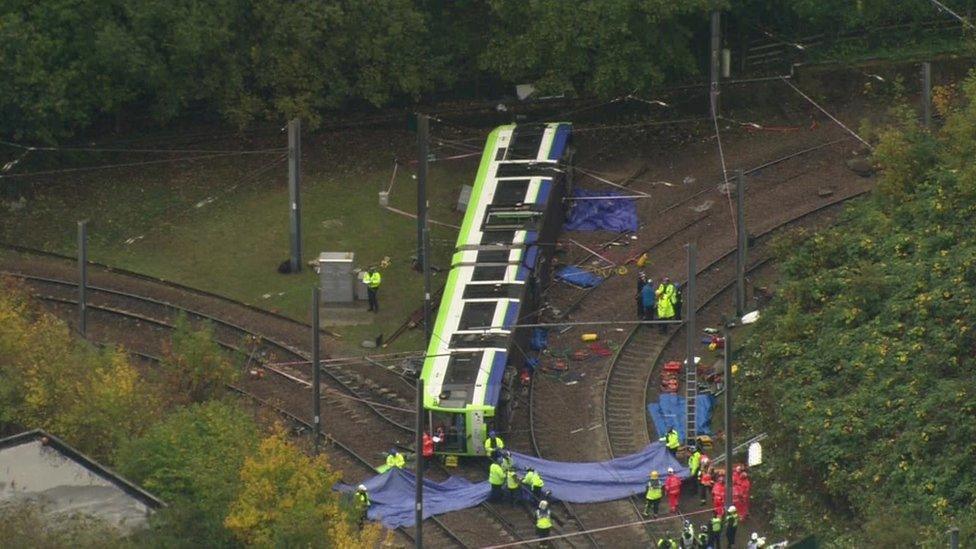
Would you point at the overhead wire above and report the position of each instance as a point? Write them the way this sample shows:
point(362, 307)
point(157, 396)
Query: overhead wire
point(823, 110)
point(114, 166)
point(725, 171)
point(143, 151)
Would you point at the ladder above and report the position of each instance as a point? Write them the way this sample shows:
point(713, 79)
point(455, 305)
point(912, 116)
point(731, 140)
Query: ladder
point(691, 400)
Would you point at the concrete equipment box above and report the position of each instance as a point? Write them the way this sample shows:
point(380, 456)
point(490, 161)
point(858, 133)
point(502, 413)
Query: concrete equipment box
point(336, 277)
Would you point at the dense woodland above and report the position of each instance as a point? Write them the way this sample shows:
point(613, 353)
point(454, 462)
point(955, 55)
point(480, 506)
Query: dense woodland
point(66, 65)
point(863, 370)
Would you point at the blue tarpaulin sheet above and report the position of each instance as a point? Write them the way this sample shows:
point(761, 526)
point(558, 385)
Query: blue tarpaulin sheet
point(540, 339)
point(669, 412)
point(618, 215)
point(392, 492)
point(602, 481)
point(578, 277)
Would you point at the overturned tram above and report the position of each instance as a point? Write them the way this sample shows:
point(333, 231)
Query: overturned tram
point(498, 272)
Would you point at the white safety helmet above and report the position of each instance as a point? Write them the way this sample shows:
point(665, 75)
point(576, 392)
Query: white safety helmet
point(670, 470)
point(361, 488)
point(543, 504)
point(754, 537)
point(731, 508)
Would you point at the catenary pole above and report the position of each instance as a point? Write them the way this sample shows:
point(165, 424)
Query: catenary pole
point(716, 61)
point(728, 416)
point(927, 94)
point(316, 373)
point(294, 185)
point(954, 538)
point(428, 305)
point(741, 247)
point(423, 143)
point(423, 262)
point(83, 278)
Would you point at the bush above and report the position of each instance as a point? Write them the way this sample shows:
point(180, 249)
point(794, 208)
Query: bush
point(192, 460)
point(868, 354)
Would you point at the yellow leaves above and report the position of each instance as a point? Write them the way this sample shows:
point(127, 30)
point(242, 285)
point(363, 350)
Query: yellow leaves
point(59, 383)
point(286, 498)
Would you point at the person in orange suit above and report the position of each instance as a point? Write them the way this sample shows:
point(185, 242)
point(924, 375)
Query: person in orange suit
point(718, 495)
point(740, 494)
point(672, 487)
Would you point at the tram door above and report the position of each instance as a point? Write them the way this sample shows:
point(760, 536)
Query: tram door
point(451, 429)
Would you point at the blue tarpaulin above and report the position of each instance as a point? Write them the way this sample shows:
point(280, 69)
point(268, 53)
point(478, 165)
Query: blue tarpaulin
point(618, 215)
point(392, 492)
point(602, 481)
point(669, 412)
point(540, 339)
point(577, 277)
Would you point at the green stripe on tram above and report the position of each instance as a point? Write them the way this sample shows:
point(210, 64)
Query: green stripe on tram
point(469, 218)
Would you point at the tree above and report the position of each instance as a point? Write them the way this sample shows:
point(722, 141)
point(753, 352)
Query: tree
point(194, 367)
point(868, 354)
point(603, 48)
point(286, 500)
point(192, 461)
point(52, 380)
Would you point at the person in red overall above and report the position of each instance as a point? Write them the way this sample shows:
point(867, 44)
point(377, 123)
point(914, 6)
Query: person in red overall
point(672, 487)
point(428, 449)
point(740, 495)
point(718, 496)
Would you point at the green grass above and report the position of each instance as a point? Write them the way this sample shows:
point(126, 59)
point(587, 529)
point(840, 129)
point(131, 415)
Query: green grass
point(234, 244)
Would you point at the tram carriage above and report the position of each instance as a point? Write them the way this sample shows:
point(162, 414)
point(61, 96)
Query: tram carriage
point(498, 271)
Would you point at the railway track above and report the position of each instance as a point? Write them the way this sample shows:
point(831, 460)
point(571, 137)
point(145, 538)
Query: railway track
point(348, 399)
point(633, 365)
point(624, 399)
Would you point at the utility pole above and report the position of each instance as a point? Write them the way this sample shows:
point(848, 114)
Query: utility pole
point(691, 370)
point(423, 142)
point(742, 244)
point(927, 94)
point(316, 373)
point(294, 185)
point(423, 262)
point(728, 414)
point(82, 278)
point(428, 305)
point(716, 62)
point(954, 538)
point(419, 442)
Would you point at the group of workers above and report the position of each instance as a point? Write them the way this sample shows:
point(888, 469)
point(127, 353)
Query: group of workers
point(705, 479)
point(661, 303)
point(507, 486)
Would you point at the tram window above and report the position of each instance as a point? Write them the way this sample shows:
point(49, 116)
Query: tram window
point(452, 426)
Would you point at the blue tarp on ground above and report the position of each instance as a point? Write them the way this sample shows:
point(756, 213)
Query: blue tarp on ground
point(578, 277)
point(603, 481)
point(393, 491)
point(393, 496)
point(670, 412)
point(618, 215)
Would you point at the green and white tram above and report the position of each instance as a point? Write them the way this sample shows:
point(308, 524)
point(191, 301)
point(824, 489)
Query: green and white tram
point(500, 265)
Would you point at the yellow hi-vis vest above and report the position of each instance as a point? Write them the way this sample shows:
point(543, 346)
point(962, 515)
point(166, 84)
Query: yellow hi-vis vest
point(395, 460)
point(493, 443)
point(496, 475)
point(533, 480)
point(654, 489)
point(672, 440)
point(511, 479)
point(372, 280)
point(543, 521)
